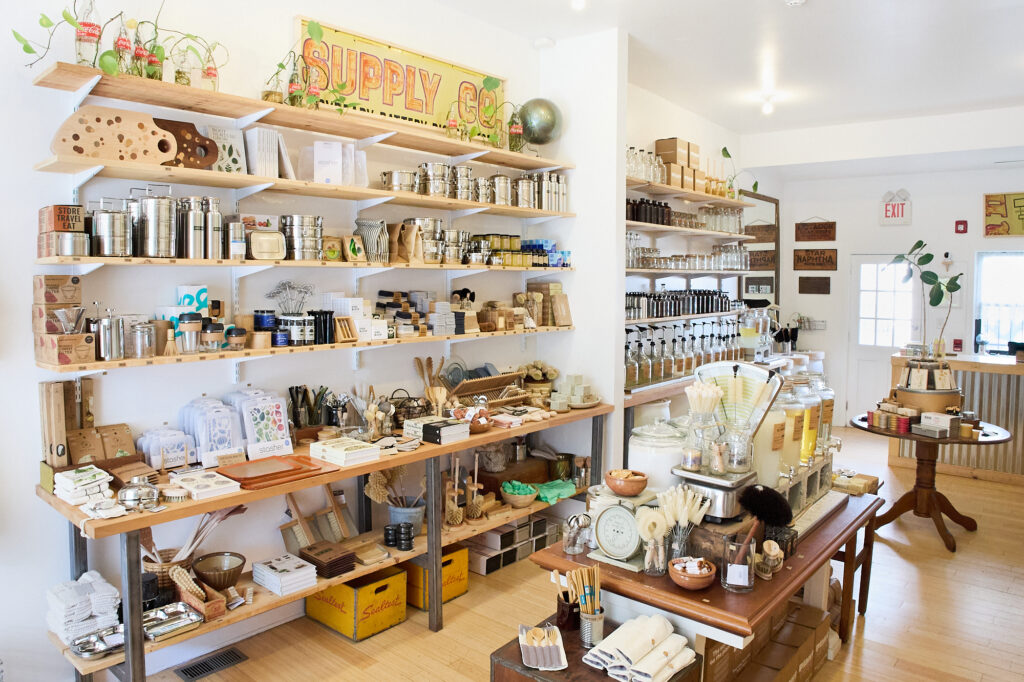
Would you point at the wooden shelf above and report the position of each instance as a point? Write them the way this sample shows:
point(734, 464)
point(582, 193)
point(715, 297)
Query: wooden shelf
point(686, 273)
point(655, 189)
point(655, 320)
point(652, 228)
point(657, 391)
point(101, 528)
point(353, 124)
point(283, 350)
point(130, 170)
point(224, 262)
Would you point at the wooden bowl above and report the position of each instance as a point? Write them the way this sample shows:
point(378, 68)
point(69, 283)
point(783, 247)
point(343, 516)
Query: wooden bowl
point(691, 582)
point(476, 427)
point(519, 501)
point(629, 487)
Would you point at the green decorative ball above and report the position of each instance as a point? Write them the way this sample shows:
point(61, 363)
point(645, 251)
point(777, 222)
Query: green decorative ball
point(542, 122)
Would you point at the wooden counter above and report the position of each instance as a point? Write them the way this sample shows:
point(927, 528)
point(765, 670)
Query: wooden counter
point(993, 387)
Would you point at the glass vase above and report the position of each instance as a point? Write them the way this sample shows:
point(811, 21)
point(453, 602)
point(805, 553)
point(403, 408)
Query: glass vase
point(678, 541)
point(656, 556)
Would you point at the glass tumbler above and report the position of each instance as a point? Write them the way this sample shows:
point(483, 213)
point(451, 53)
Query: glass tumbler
point(738, 565)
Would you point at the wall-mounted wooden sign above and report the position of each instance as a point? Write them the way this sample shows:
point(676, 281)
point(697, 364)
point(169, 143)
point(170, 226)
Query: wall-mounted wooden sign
point(815, 285)
point(815, 259)
point(762, 260)
point(816, 232)
point(763, 234)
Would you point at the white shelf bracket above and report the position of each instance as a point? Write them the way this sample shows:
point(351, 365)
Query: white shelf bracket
point(243, 192)
point(522, 344)
point(246, 121)
point(81, 93)
point(363, 204)
point(85, 268)
point(236, 371)
point(357, 360)
point(240, 271)
point(540, 219)
point(463, 212)
point(457, 274)
point(462, 158)
point(83, 176)
point(374, 139)
point(549, 169)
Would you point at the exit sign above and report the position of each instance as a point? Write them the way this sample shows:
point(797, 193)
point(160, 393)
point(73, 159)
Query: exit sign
point(895, 208)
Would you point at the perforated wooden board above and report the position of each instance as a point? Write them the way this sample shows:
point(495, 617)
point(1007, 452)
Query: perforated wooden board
point(194, 150)
point(103, 133)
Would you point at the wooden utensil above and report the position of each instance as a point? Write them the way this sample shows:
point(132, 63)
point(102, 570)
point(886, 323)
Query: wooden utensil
point(95, 132)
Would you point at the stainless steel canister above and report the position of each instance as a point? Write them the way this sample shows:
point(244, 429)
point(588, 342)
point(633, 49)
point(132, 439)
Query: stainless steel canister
point(502, 190)
point(110, 334)
point(435, 169)
point(432, 228)
point(452, 253)
point(158, 227)
point(543, 191)
point(525, 187)
point(192, 231)
point(483, 190)
point(236, 241)
point(461, 173)
point(63, 244)
point(111, 233)
point(399, 180)
point(215, 236)
point(295, 220)
point(432, 187)
point(461, 188)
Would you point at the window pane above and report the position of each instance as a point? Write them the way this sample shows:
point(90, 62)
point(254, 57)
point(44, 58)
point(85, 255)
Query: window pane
point(867, 304)
point(885, 304)
point(867, 333)
point(901, 332)
point(885, 277)
point(883, 333)
point(904, 307)
point(868, 276)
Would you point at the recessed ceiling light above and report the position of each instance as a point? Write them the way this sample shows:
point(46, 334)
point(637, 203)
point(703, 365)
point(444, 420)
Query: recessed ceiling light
point(795, 3)
point(578, 5)
point(543, 42)
point(768, 106)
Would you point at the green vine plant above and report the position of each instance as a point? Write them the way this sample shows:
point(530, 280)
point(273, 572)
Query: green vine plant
point(938, 288)
point(29, 46)
point(490, 84)
point(731, 180)
point(334, 97)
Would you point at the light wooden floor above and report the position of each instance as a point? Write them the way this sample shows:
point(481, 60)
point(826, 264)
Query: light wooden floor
point(932, 615)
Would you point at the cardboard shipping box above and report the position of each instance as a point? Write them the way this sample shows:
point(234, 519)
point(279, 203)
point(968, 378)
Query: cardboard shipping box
point(817, 620)
point(756, 673)
point(688, 178)
point(672, 150)
point(802, 639)
point(693, 157)
point(674, 174)
point(718, 659)
point(782, 659)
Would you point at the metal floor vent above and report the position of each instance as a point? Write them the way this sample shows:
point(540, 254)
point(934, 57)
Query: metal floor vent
point(208, 665)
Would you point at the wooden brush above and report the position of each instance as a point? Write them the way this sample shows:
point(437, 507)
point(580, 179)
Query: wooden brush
point(767, 506)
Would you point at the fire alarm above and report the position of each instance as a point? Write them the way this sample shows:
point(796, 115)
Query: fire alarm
point(958, 345)
point(960, 227)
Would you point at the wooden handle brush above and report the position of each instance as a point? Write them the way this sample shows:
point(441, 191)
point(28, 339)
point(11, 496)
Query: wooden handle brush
point(767, 506)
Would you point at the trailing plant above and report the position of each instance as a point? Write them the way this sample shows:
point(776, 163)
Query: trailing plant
point(937, 287)
point(311, 95)
point(731, 180)
point(490, 84)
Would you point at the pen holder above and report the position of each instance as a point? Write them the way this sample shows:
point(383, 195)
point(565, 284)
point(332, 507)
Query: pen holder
point(591, 628)
point(567, 614)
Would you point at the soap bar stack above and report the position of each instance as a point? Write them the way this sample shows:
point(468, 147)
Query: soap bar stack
point(82, 606)
point(85, 484)
point(643, 649)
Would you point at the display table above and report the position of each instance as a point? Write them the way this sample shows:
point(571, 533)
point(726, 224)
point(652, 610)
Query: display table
point(716, 608)
point(924, 500)
point(507, 662)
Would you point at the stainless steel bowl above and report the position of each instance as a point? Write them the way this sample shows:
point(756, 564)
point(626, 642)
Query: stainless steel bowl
point(138, 495)
point(476, 258)
point(451, 236)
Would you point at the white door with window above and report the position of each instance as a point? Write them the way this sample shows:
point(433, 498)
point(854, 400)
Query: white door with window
point(884, 320)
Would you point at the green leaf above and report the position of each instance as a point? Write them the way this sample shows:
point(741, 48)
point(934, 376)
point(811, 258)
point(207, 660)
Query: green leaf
point(158, 51)
point(193, 50)
point(935, 295)
point(315, 31)
point(108, 62)
point(493, 138)
point(917, 245)
point(489, 111)
point(17, 36)
point(310, 99)
point(952, 286)
point(280, 66)
point(45, 21)
point(925, 259)
point(754, 188)
point(474, 131)
point(929, 277)
point(725, 153)
point(231, 150)
point(341, 86)
point(70, 18)
point(491, 83)
point(28, 49)
point(191, 36)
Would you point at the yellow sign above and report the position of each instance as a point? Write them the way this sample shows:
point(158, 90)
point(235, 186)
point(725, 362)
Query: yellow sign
point(1004, 215)
point(387, 80)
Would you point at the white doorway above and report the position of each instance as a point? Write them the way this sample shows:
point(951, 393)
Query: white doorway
point(884, 320)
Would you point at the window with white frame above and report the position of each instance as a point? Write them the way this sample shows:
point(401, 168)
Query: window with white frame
point(886, 310)
point(999, 305)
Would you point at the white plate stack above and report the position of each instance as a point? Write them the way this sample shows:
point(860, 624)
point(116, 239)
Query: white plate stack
point(284, 574)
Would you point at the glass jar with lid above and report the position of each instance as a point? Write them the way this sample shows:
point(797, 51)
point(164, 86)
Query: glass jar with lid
point(654, 449)
point(739, 456)
point(770, 440)
point(818, 383)
point(812, 416)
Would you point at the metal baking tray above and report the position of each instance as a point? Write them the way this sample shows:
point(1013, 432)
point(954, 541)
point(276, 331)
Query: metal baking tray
point(170, 621)
point(94, 645)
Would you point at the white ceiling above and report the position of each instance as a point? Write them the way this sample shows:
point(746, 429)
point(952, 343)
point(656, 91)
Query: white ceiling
point(832, 61)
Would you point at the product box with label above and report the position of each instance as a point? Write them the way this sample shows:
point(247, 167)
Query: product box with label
point(362, 607)
point(445, 431)
point(350, 307)
point(540, 542)
point(483, 561)
point(693, 155)
point(818, 620)
point(538, 525)
point(687, 178)
point(44, 318)
point(929, 431)
point(57, 289)
point(254, 221)
point(501, 537)
point(65, 349)
point(364, 328)
point(62, 218)
point(674, 174)
point(944, 421)
point(378, 330)
point(672, 150)
point(756, 673)
point(718, 659)
point(781, 658)
point(700, 183)
point(801, 639)
point(454, 577)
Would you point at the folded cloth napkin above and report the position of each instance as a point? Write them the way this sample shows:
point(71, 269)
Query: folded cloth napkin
point(646, 638)
point(651, 664)
point(603, 655)
point(104, 597)
point(553, 491)
point(680, 661)
point(69, 632)
point(619, 675)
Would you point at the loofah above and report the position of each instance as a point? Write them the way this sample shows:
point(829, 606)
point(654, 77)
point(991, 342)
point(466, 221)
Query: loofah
point(376, 487)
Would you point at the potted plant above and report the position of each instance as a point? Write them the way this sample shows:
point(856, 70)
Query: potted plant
point(310, 95)
point(730, 182)
point(934, 290)
point(388, 487)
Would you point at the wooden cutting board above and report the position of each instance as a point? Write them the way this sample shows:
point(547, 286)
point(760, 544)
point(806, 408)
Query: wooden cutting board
point(194, 150)
point(103, 133)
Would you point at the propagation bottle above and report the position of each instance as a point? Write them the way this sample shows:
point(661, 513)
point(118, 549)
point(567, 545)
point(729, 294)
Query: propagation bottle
point(87, 35)
point(123, 49)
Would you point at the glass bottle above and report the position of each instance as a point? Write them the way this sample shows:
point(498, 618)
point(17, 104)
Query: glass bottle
point(210, 78)
point(272, 91)
point(667, 361)
point(632, 368)
point(451, 126)
point(661, 170)
point(819, 384)
point(140, 56)
point(155, 63)
point(678, 355)
point(123, 49)
point(688, 357)
point(87, 35)
point(812, 416)
point(657, 368)
point(295, 95)
point(652, 168)
point(770, 438)
point(794, 429)
point(708, 353)
point(515, 132)
point(644, 363)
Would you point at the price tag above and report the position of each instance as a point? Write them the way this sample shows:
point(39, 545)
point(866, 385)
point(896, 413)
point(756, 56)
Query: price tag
point(737, 574)
point(778, 435)
point(827, 410)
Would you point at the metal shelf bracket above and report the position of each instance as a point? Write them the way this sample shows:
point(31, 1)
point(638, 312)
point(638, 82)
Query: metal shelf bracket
point(540, 219)
point(243, 192)
point(462, 158)
point(81, 93)
point(363, 204)
point(463, 212)
point(374, 139)
point(247, 120)
point(83, 176)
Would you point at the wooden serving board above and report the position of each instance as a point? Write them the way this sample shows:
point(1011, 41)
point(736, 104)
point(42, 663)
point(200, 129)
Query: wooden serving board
point(103, 133)
point(194, 150)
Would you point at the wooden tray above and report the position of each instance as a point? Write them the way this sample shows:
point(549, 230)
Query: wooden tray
point(304, 467)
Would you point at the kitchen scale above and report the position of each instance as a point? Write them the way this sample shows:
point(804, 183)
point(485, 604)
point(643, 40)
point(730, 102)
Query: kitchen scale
point(618, 539)
point(723, 491)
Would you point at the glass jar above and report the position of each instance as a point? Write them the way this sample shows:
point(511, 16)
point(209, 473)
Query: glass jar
point(794, 430)
point(654, 449)
point(273, 91)
point(656, 556)
point(812, 416)
point(691, 457)
point(212, 337)
point(739, 458)
point(770, 438)
point(819, 384)
point(738, 565)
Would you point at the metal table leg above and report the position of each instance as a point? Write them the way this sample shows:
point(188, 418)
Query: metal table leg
point(365, 511)
point(134, 666)
point(627, 431)
point(78, 564)
point(434, 548)
point(596, 449)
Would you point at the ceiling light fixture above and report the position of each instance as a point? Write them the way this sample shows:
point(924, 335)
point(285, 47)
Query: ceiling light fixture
point(578, 5)
point(768, 106)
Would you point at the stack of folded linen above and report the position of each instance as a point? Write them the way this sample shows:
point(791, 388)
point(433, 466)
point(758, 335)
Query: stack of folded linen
point(82, 606)
point(643, 649)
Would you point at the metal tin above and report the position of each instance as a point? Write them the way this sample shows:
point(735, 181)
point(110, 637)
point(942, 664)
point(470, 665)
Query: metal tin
point(157, 227)
point(461, 173)
point(433, 251)
point(502, 190)
point(452, 253)
point(433, 187)
point(110, 337)
point(295, 220)
point(476, 258)
point(307, 232)
point(265, 245)
point(63, 244)
point(236, 240)
point(111, 233)
point(434, 169)
point(304, 254)
point(432, 228)
point(451, 236)
point(525, 189)
point(483, 190)
point(399, 180)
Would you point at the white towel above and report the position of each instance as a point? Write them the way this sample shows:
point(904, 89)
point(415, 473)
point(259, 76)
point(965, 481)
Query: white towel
point(604, 654)
point(646, 638)
point(648, 667)
point(680, 661)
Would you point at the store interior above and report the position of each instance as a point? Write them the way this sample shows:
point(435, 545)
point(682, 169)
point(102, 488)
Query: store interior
point(366, 262)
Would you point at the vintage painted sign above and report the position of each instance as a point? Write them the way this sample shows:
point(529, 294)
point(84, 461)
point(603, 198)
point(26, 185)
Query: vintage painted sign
point(1004, 215)
point(392, 81)
point(895, 208)
point(815, 285)
point(763, 234)
point(815, 259)
point(761, 261)
point(816, 232)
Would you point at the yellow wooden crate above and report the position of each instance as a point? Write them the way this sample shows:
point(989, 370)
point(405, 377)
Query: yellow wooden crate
point(454, 577)
point(362, 607)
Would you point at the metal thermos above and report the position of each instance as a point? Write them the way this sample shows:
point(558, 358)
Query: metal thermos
point(157, 226)
point(235, 234)
point(192, 231)
point(563, 194)
point(110, 334)
point(215, 232)
point(543, 191)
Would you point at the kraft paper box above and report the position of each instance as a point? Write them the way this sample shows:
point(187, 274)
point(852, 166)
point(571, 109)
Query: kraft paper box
point(802, 639)
point(781, 658)
point(65, 349)
point(62, 218)
point(672, 150)
point(819, 621)
point(44, 319)
point(694, 156)
point(688, 178)
point(171, 313)
point(674, 174)
point(54, 289)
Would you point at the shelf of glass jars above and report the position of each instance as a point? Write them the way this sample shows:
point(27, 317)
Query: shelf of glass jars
point(248, 353)
point(129, 170)
point(353, 124)
point(652, 228)
point(661, 272)
point(679, 318)
point(656, 189)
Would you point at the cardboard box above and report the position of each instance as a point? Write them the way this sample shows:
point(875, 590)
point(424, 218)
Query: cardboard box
point(378, 330)
point(539, 542)
point(740, 659)
point(524, 549)
point(693, 155)
point(454, 577)
point(509, 556)
point(78, 395)
point(672, 150)
point(819, 621)
point(756, 673)
point(538, 525)
point(117, 440)
point(780, 658)
point(699, 181)
point(501, 537)
point(674, 174)
point(687, 178)
point(363, 328)
point(85, 446)
point(65, 349)
point(717, 661)
point(44, 318)
point(484, 561)
point(54, 289)
point(62, 218)
point(802, 639)
point(53, 424)
point(363, 607)
point(781, 615)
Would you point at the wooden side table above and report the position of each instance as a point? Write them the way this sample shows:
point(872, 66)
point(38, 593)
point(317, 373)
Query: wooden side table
point(924, 500)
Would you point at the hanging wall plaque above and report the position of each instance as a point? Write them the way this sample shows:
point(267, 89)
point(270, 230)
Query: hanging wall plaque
point(761, 261)
point(816, 232)
point(815, 259)
point(815, 285)
point(763, 234)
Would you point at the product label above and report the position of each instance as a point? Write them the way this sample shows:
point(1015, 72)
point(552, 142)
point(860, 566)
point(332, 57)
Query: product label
point(122, 43)
point(516, 129)
point(453, 123)
point(87, 32)
point(141, 53)
point(827, 410)
point(210, 72)
point(313, 89)
point(798, 426)
point(813, 415)
point(153, 60)
point(294, 87)
point(778, 435)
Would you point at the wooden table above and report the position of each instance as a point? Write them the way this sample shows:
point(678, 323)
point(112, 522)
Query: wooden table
point(739, 614)
point(924, 500)
point(507, 662)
